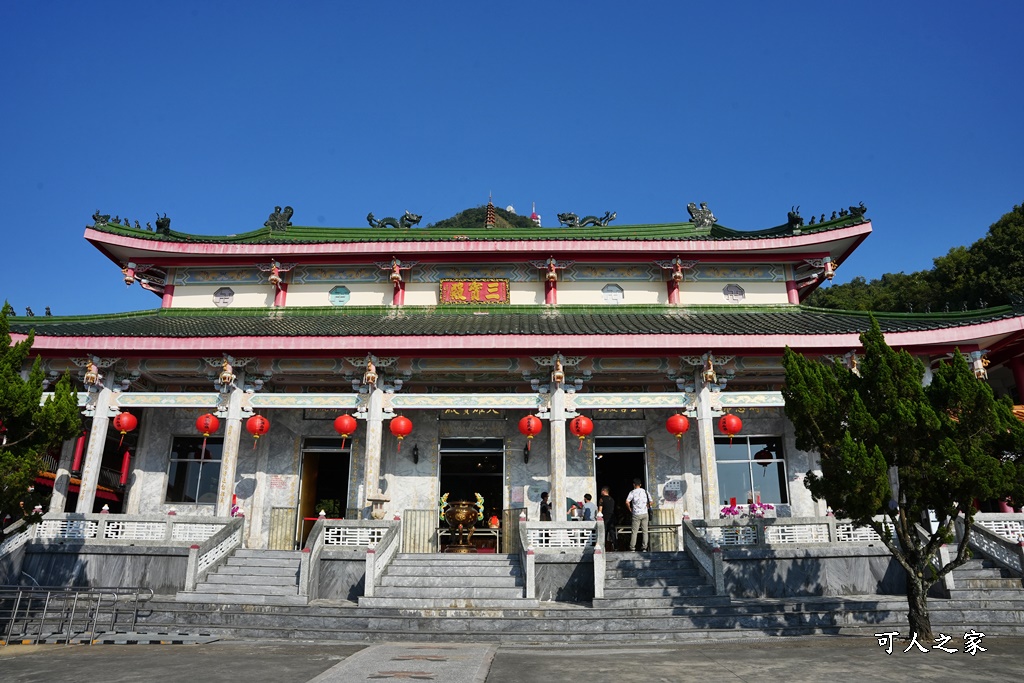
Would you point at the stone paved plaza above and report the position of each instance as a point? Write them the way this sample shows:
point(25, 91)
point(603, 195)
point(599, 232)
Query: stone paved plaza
point(838, 658)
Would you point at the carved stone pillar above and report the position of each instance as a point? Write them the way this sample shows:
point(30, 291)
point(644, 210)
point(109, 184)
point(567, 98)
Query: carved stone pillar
point(706, 444)
point(94, 450)
point(229, 452)
point(62, 478)
point(557, 422)
point(374, 437)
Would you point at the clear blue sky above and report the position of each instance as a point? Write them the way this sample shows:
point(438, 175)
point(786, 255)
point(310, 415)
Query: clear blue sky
point(214, 112)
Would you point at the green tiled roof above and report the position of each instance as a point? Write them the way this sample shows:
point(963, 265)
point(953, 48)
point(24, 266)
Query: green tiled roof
point(384, 321)
point(316, 235)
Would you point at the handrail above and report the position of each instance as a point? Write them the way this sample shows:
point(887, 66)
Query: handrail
point(1001, 550)
point(309, 564)
point(118, 529)
point(15, 536)
point(600, 567)
point(708, 557)
point(527, 560)
point(212, 552)
point(379, 556)
point(61, 606)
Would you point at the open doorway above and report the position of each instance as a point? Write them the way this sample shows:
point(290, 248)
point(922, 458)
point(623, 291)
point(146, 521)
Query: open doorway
point(470, 466)
point(618, 460)
point(324, 482)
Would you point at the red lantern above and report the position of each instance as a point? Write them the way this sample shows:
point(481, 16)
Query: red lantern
point(677, 425)
point(206, 424)
point(124, 423)
point(581, 426)
point(530, 427)
point(257, 425)
point(731, 425)
point(344, 425)
point(401, 427)
point(76, 466)
point(764, 457)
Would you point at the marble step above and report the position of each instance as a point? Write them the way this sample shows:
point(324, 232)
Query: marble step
point(226, 569)
point(245, 589)
point(262, 562)
point(276, 554)
point(216, 600)
point(655, 582)
point(256, 580)
point(407, 603)
point(447, 581)
point(458, 592)
point(417, 570)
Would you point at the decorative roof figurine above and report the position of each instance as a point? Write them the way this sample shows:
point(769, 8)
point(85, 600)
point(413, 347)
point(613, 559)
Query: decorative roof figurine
point(279, 220)
point(163, 225)
point(404, 223)
point(793, 218)
point(370, 376)
point(702, 217)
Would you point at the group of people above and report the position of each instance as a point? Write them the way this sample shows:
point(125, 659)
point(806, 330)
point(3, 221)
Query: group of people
point(638, 504)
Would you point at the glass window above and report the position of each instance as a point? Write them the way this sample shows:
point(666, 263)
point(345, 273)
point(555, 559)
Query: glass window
point(751, 469)
point(194, 473)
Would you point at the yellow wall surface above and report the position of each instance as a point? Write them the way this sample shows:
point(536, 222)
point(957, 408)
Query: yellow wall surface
point(201, 296)
point(361, 294)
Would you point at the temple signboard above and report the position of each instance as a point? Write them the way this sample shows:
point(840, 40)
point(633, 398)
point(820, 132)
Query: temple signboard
point(474, 291)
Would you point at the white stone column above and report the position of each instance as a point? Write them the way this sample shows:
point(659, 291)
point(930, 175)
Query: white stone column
point(229, 452)
point(706, 444)
point(557, 421)
point(94, 451)
point(374, 437)
point(62, 477)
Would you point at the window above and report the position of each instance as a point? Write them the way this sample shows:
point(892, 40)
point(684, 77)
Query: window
point(193, 474)
point(751, 469)
point(613, 294)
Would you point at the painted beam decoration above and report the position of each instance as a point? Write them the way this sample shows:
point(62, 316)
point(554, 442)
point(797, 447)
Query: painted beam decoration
point(474, 291)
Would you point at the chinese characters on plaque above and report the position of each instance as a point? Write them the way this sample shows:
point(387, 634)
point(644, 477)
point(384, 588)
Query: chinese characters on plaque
point(470, 291)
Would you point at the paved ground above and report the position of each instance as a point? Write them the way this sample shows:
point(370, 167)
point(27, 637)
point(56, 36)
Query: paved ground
point(820, 658)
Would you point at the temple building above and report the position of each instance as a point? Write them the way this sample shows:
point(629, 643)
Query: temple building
point(484, 359)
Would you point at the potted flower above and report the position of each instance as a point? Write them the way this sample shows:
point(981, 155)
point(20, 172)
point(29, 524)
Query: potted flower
point(760, 509)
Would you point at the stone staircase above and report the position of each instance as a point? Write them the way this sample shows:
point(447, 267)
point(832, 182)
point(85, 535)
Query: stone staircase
point(251, 577)
point(451, 581)
point(981, 578)
point(652, 580)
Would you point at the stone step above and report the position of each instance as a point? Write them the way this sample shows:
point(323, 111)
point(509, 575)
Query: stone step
point(219, 599)
point(243, 589)
point(632, 602)
point(986, 593)
point(416, 570)
point(666, 579)
point(659, 592)
point(257, 571)
point(255, 580)
point(654, 585)
point(261, 562)
point(405, 603)
point(469, 593)
point(988, 582)
point(645, 573)
point(445, 561)
point(446, 581)
point(277, 554)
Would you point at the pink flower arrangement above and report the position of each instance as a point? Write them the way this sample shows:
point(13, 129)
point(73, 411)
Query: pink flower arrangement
point(732, 511)
point(758, 509)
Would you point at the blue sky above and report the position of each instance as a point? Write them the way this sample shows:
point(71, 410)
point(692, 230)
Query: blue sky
point(215, 112)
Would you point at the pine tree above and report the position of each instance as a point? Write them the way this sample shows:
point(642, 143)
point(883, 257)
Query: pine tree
point(29, 427)
point(895, 449)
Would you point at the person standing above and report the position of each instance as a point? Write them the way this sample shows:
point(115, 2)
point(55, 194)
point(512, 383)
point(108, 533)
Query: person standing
point(637, 502)
point(545, 508)
point(589, 508)
point(606, 506)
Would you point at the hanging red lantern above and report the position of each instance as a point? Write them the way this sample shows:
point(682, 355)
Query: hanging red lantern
point(401, 427)
point(206, 424)
point(677, 425)
point(76, 465)
point(125, 464)
point(124, 423)
point(731, 425)
point(257, 425)
point(581, 426)
point(764, 457)
point(344, 425)
point(530, 427)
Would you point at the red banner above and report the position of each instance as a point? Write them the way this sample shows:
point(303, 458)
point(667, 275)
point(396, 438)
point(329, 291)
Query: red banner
point(474, 291)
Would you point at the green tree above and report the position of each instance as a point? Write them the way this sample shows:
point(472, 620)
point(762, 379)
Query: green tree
point(990, 272)
point(893, 448)
point(30, 427)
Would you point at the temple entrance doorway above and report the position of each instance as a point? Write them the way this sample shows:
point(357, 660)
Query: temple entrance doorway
point(323, 483)
point(617, 461)
point(469, 466)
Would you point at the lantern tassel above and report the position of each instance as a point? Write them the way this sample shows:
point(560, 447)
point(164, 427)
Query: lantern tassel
point(202, 451)
point(581, 444)
point(343, 437)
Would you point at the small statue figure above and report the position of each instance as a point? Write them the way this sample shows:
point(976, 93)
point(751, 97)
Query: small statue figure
point(117, 220)
point(163, 225)
point(793, 218)
point(92, 375)
point(558, 376)
point(814, 219)
point(569, 220)
point(280, 219)
point(47, 312)
point(822, 218)
point(552, 274)
point(396, 272)
point(843, 213)
point(677, 271)
point(137, 226)
point(100, 219)
point(28, 312)
point(858, 210)
point(149, 226)
point(701, 218)
point(370, 376)
point(374, 223)
point(404, 223)
point(275, 274)
point(708, 374)
point(227, 375)
point(833, 216)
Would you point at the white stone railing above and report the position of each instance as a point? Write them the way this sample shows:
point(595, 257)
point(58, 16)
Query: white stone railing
point(18, 535)
point(122, 529)
point(1006, 552)
point(1009, 525)
point(379, 556)
point(769, 531)
point(546, 536)
point(204, 558)
point(355, 533)
point(707, 556)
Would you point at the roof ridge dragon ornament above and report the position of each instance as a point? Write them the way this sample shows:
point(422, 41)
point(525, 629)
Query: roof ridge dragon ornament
point(404, 223)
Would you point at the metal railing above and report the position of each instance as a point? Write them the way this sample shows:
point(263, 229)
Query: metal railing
point(66, 614)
